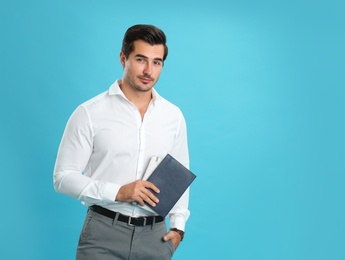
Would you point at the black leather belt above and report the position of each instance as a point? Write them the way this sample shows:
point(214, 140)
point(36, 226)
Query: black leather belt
point(131, 221)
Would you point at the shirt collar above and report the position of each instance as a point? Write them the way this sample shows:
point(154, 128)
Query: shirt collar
point(116, 90)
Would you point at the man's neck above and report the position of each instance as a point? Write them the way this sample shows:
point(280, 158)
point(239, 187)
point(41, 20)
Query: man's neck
point(141, 99)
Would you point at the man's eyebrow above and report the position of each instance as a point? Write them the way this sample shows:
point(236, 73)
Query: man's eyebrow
point(143, 56)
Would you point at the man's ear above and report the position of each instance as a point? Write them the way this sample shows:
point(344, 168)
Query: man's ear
point(122, 59)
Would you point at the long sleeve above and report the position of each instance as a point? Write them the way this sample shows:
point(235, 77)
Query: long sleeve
point(180, 213)
point(73, 156)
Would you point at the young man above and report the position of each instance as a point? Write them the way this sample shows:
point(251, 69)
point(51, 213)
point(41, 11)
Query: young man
point(104, 152)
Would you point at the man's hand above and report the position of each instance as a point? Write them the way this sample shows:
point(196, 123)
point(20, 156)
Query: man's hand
point(174, 237)
point(138, 191)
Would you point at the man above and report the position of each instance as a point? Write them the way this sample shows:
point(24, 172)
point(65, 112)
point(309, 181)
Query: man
point(105, 149)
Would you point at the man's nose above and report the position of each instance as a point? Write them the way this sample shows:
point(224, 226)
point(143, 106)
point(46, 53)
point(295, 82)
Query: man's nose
point(148, 68)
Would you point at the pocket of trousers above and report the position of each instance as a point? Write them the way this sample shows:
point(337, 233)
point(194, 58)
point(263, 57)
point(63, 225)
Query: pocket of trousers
point(86, 230)
point(171, 246)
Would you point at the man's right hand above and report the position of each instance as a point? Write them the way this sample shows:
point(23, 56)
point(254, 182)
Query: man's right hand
point(138, 191)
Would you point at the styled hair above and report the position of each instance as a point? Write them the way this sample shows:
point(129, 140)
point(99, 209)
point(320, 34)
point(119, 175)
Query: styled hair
point(147, 33)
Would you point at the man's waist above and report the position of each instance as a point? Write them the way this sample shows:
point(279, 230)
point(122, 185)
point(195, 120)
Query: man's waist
point(131, 221)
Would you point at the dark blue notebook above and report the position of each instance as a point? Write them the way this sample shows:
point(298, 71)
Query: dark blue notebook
point(172, 179)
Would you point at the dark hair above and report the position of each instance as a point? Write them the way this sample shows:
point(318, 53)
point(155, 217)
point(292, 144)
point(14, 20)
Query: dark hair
point(147, 33)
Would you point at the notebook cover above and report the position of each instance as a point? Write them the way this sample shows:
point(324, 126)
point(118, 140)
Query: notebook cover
point(172, 179)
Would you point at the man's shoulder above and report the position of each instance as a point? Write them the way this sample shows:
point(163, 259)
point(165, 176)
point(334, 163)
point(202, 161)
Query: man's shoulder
point(95, 101)
point(169, 106)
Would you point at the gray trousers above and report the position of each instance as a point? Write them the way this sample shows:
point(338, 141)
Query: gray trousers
point(103, 238)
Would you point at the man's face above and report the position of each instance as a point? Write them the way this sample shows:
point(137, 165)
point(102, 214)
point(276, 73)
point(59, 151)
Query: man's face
point(143, 66)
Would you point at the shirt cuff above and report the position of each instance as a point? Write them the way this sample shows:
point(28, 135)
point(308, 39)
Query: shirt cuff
point(110, 191)
point(178, 221)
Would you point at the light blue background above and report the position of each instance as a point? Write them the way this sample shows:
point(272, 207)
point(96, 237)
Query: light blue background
point(261, 84)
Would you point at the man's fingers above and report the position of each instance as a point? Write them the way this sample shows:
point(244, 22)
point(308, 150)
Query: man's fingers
point(151, 186)
point(140, 191)
point(149, 197)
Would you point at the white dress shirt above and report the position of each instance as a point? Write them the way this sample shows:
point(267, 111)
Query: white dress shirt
point(106, 144)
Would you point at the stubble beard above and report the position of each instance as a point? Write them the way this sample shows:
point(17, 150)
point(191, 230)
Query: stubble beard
point(141, 87)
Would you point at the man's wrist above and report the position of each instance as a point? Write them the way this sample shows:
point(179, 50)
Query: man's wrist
point(180, 232)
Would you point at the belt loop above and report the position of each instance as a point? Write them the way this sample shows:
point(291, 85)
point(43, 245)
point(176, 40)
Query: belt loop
point(153, 222)
point(115, 219)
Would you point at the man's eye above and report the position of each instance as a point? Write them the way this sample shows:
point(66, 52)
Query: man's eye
point(157, 63)
point(140, 60)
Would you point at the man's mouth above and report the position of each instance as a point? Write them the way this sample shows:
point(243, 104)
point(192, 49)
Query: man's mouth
point(145, 79)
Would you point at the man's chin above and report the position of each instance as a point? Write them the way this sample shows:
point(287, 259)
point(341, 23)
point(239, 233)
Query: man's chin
point(143, 89)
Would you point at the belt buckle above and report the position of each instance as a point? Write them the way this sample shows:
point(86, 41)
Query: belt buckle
point(130, 220)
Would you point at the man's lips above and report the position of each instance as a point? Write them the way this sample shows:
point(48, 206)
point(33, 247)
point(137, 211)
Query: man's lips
point(145, 79)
